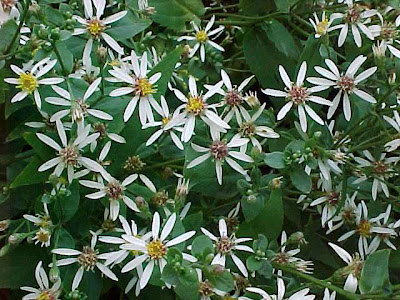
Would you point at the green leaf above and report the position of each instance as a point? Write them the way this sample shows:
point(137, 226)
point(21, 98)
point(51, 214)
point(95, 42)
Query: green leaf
point(274, 160)
point(256, 7)
point(26, 178)
point(300, 179)
point(220, 278)
point(18, 266)
point(253, 264)
point(187, 285)
point(67, 59)
point(252, 206)
point(67, 206)
point(375, 272)
point(282, 39)
point(175, 13)
point(311, 55)
point(41, 149)
point(7, 32)
point(166, 67)
point(202, 246)
point(285, 5)
point(262, 56)
point(63, 239)
point(128, 27)
point(269, 221)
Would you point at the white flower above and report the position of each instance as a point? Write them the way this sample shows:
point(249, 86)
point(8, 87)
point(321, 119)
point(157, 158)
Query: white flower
point(43, 234)
point(166, 117)
point(78, 108)
point(249, 130)
point(329, 296)
point(140, 86)
point(300, 295)
point(331, 200)
point(355, 264)
point(365, 227)
point(69, 154)
point(381, 170)
point(114, 191)
point(225, 246)
point(44, 291)
point(155, 250)
point(220, 152)
point(96, 28)
point(384, 237)
point(87, 259)
point(347, 215)
point(356, 20)
point(321, 27)
point(233, 98)
point(395, 123)
point(29, 80)
point(298, 95)
point(195, 105)
point(346, 83)
point(8, 11)
point(202, 37)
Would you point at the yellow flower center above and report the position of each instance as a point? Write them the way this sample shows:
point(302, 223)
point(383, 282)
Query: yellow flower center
point(156, 249)
point(114, 63)
point(45, 295)
point(201, 36)
point(143, 87)
point(195, 105)
point(27, 82)
point(322, 26)
point(165, 121)
point(95, 27)
point(43, 235)
point(364, 228)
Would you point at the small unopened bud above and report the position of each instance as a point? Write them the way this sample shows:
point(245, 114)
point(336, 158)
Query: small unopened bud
point(218, 269)
point(276, 182)
point(141, 203)
point(4, 225)
point(102, 53)
point(297, 238)
point(54, 274)
point(4, 250)
point(16, 238)
point(317, 134)
point(251, 199)
point(34, 7)
point(209, 258)
point(186, 51)
point(256, 154)
point(252, 99)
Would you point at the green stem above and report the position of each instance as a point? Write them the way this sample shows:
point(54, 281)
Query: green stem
point(21, 23)
point(317, 281)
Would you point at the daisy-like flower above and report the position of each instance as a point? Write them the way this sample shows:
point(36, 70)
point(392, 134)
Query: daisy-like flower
point(384, 237)
point(233, 98)
point(220, 151)
point(395, 123)
point(96, 27)
point(114, 191)
point(40, 220)
point(78, 108)
point(346, 83)
point(86, 72)
point(69, 154)
point(330, 200)
point(300, 295)
point(30, 80)
point(44, 291)
point(365, 228)
point(252, 99)
point(389, 36)
point(249, 130)
point(202, 37)
point(380, 171)
point(289, 257)
point(298, 95)
point(321, 27)
point(347, 215)
point(155, 249)
point(355, 19)
point(142, 87)
point(195, 106)
point(353, 269)
point(8, 11)
point(88, 259)
point(166, 117)
point(226, 245)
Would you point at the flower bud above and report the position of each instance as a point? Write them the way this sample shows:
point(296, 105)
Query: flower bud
point(4, 225)
point(54, 274)
point(16, 238)
point(297, 238)
point(4, 250)
point(102, 53)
